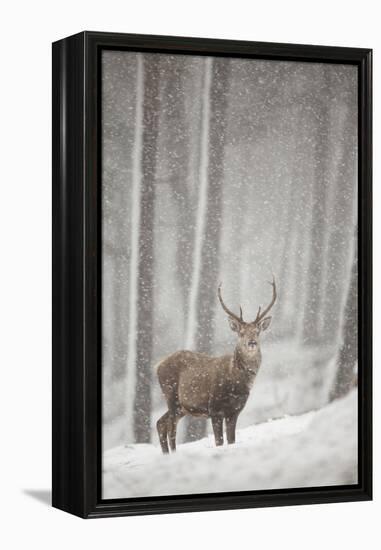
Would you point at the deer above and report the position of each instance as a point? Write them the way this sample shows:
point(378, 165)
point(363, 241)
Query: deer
point(196, 384)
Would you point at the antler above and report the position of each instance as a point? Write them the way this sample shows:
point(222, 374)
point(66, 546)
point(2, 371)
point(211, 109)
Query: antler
point(230, 313)
point(260, 315)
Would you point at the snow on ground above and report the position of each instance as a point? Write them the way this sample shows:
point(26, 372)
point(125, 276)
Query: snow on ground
point(313, 449)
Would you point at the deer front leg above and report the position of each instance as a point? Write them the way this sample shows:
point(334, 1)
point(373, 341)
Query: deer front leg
point(231, 422)
point(217, 429)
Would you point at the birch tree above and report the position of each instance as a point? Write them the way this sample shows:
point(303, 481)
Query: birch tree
point(177, 146)
point(311, 327)
point(347, 356)
point(118, 133)
point(200, 333)
point(343, 217)
point(142, 255)
point(144, 333)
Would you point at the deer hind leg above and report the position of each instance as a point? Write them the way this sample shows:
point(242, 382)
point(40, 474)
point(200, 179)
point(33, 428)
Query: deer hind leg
point(231, 423)
point(217, 430)
point(162, 430)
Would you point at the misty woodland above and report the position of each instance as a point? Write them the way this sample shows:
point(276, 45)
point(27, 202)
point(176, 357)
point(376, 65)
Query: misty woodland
point(220, 176)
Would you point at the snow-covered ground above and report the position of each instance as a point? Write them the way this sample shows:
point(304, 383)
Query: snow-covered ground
point(313, 449)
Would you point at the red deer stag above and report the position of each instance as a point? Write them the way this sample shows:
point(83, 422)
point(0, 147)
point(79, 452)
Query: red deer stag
point(213, 387)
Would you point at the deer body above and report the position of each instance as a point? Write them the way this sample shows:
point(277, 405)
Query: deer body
point(196, 384)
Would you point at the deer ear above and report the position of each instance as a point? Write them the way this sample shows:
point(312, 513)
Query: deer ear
point(234, 324)
point(265, 323)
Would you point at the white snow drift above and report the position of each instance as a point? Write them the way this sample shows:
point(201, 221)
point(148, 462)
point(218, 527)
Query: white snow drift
point(317, 448)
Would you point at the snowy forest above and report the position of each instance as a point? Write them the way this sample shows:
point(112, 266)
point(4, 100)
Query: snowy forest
point(229, 170)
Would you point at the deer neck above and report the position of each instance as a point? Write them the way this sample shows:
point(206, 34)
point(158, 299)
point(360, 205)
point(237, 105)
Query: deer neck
point(247, 363)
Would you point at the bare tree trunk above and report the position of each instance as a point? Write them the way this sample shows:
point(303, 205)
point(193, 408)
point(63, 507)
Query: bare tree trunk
point(338, 265)
point(211, 246)
point(144, 327)
point(314, 293)
point(133, 278)
point(347, 356)
point(292, 272)
point(178, 150)
point(200, 221)
point(204, 292)
point(288, 240)
point(119, 146)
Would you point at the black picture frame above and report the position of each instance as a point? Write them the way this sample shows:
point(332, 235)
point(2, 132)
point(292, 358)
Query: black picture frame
point(76, 274)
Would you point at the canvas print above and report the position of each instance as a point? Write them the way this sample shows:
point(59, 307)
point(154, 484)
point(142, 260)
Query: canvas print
point(229, 274)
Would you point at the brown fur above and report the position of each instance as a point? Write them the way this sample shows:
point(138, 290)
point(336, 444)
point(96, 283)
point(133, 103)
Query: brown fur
point(196, 384)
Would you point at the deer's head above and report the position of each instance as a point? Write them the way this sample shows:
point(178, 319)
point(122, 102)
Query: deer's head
point(249, 332)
